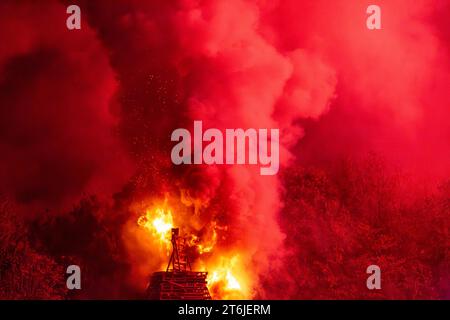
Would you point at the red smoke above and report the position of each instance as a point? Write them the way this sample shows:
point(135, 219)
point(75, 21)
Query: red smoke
point(392, 90)
point(57, 120)
point(90, 112)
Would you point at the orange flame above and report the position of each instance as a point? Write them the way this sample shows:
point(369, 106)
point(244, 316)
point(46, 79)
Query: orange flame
point(160, 223)
point(227, 277)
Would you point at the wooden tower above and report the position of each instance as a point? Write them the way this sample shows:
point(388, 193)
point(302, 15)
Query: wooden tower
point(178, 282)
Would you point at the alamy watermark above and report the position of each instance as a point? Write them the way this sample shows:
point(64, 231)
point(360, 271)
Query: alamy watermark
point(234, 146)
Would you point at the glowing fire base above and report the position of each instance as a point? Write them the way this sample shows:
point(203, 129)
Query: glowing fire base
point(176, 285)
point(178, 282)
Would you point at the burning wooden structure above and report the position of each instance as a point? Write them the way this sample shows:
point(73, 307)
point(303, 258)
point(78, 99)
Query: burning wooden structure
point(178, 282)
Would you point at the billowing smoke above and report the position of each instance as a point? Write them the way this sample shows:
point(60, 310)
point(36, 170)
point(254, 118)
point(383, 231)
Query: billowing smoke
point(86, 118)
point(238, 79)
point(57, 120)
